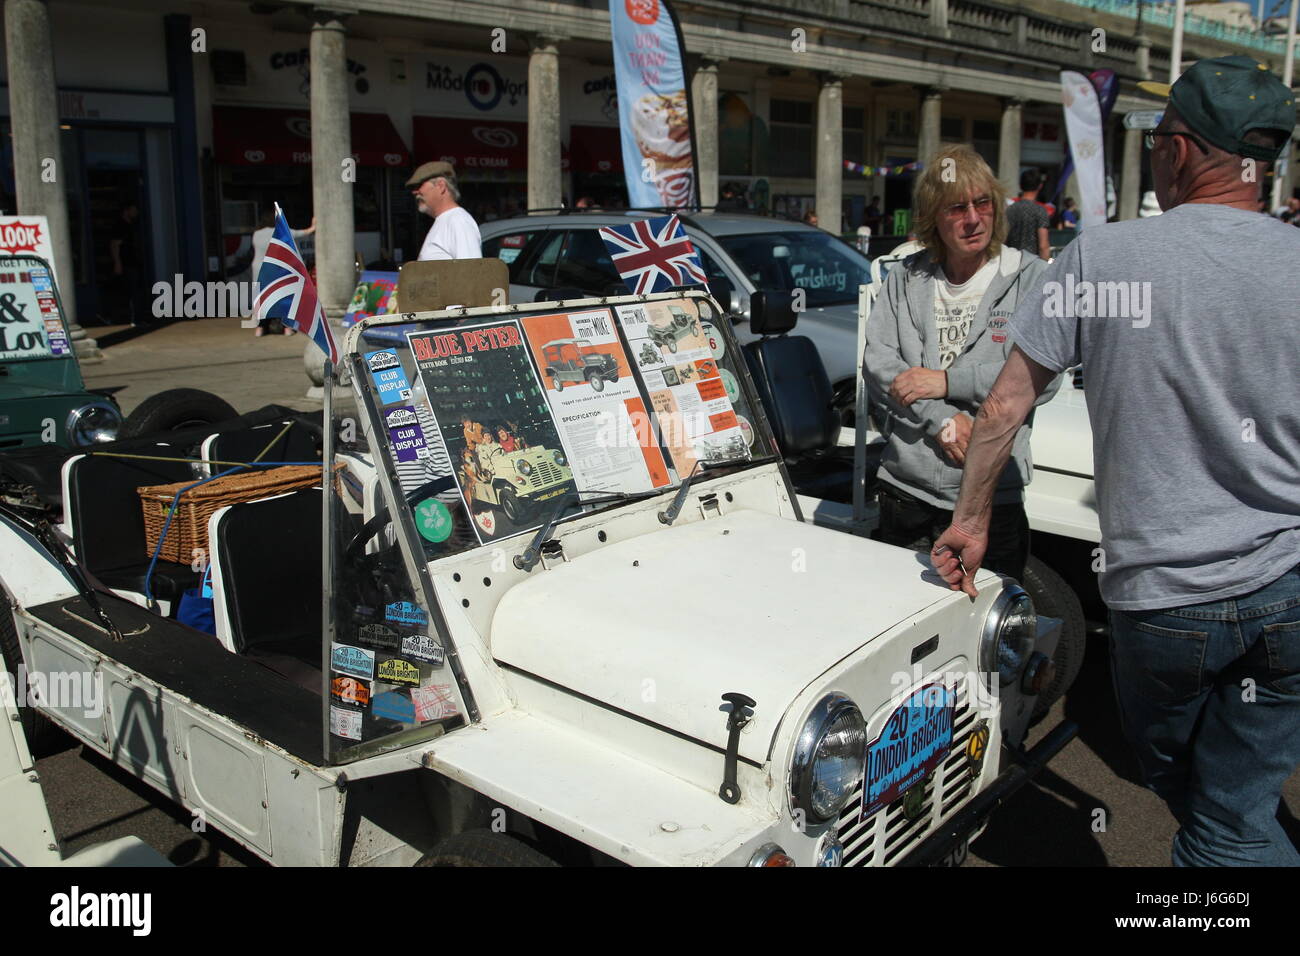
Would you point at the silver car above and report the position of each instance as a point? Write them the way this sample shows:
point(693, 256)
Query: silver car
point(749, 252)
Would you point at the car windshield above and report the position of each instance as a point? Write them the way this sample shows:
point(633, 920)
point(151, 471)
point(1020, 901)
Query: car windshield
point(828, 270)
point(518, 409)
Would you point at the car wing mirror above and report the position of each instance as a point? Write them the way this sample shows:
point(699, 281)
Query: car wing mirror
point(723, 293)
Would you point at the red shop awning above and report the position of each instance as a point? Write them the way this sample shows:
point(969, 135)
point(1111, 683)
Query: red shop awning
point(595, 149)
point(472, 145)
point(252, 136)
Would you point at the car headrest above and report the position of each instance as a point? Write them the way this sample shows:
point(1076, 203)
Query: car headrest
point(772, 313)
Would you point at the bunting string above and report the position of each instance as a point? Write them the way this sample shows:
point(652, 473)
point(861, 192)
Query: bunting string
point(882, 170)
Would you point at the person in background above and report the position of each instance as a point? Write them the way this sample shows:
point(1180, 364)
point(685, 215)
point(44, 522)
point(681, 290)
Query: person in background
point(1069, 216)
point(261, 242)
point(454, 233)
point(1202, 578)
point(810, 218)
point(732, 200)
point(586, 202)
point(124, 249)
point(874, 216)
point(936, 340)
point(1028, 219)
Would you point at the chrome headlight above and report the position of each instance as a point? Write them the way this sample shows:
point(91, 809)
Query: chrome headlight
point(523, 468)
point(94, 423)
point(560, 459)
point(1009, 632)
point(830, 758)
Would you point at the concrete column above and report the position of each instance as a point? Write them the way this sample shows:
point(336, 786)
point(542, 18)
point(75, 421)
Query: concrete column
point(332, 169)
point(704, 99)
point(830, 151)
point(1143, 57)
point(1130, 178)
point(40, 175)
point(939, 17)
point(544, 187)
point(1013, 125)
point(927, 143)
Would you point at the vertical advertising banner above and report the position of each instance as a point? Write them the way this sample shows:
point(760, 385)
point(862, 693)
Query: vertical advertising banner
point(1084, 128)
point(654, 105)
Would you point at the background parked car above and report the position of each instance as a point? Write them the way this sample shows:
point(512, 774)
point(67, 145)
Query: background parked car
point(747, 252)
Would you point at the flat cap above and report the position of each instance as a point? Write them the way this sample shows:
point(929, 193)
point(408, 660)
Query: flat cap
point(429, 170)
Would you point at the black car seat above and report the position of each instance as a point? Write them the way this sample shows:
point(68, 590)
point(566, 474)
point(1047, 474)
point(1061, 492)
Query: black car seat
point(300, 443)
point(107, 520)
point(269, 556)
point(796, 394)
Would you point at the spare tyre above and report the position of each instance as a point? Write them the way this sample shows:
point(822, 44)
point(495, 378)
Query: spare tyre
point(174, 409)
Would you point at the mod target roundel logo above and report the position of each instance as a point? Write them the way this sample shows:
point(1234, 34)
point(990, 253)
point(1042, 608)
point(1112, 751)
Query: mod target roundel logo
point(644, 12)
point(483, 86)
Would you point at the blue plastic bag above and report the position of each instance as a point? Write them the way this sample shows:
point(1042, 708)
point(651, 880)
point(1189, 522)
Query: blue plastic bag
point(195, 609)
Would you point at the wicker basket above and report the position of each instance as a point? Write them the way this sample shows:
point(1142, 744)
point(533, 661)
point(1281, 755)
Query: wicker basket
point(189, 527)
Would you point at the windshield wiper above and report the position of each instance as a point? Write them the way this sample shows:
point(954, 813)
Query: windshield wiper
point(533, 553)
point(669, 514)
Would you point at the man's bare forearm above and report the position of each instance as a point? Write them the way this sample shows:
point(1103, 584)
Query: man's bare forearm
point(986, 458)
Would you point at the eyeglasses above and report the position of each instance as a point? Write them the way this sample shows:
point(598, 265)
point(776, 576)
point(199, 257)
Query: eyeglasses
point(982, 205)
point(1150, 138)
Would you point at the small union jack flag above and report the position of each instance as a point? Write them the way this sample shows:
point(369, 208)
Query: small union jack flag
point(285, 290)
point(653, 255)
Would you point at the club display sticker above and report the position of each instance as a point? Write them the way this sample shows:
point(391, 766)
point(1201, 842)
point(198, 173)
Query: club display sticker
point(394, 705)
point(398, 671)
point(345, 723)
point(353, 661)
point(422, 647)
point(350, 690)
point(717, 344)
point(404, 612)
point(731, 385)
point(388, 376)
point(433, 520)
point(433, 702)
point(746, 430)
point(376, 635)
point(404, 434)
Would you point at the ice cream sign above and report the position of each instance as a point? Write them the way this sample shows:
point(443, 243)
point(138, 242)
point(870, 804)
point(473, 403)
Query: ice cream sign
point(653, 104)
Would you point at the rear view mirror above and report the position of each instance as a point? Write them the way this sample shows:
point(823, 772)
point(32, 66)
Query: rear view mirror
point(771, 313)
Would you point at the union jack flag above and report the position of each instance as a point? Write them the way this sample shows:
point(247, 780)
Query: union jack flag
point(653, 255)
point(285, 290)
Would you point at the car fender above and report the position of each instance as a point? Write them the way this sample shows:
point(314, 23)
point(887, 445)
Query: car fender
point(29, 573)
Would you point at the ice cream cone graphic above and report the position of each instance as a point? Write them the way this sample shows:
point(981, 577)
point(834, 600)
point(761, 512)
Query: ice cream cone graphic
point(661, 126)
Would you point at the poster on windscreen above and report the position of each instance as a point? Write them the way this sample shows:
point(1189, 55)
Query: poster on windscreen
point(690, 395)
point(593, 394)
point(492, 415)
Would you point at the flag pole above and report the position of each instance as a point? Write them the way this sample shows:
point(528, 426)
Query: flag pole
point(1288, 72)
point(1176, 51)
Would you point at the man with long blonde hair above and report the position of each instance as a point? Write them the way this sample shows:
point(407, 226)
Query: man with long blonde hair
point(936, 340)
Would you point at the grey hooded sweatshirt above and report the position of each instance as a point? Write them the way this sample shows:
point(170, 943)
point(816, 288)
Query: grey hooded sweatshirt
point(901, 334)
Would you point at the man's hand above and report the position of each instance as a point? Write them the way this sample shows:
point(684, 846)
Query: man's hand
point(956, 556)
point(918, 383)
point(955, 436)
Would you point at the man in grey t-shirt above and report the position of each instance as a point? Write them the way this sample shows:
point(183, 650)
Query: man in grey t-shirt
point(1187, 328)
point(1027, 219)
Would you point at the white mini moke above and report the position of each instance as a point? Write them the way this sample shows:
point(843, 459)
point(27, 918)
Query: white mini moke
point(665, 665)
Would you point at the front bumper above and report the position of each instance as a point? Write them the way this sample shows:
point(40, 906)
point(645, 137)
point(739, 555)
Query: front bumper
point(950, 834)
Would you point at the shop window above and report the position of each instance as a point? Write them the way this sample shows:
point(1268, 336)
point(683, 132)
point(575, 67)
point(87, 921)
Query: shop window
point(985, 129)
point(900, 124)
point(229, 67)
point(792, 127)
point(855, 139)
point(952, 128)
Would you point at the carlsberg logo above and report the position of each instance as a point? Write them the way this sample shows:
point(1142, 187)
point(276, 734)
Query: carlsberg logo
point(1084, 299)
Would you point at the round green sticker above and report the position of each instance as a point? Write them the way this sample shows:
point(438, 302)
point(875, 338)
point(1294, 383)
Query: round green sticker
point(433, 520)
point(730, 384)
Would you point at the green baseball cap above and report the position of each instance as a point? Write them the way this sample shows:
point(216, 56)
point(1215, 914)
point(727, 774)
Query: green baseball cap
point(1225, 98)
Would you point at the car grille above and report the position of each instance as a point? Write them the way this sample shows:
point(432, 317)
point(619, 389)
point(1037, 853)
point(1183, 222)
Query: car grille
point(886, 835)
point(545, 473)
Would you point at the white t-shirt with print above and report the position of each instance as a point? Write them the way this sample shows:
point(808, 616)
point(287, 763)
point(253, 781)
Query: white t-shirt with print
point(453, 235)
point(955, 306)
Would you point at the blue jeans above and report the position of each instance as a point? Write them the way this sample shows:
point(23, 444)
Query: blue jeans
point(1209, 697)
